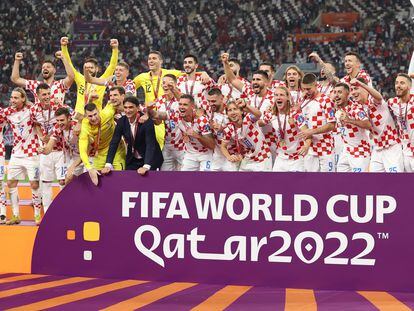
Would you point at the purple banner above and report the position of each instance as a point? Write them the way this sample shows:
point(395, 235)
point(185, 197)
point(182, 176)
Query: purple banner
point(303, 230)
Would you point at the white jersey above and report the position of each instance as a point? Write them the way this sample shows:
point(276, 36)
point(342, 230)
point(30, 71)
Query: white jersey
point(196, 89)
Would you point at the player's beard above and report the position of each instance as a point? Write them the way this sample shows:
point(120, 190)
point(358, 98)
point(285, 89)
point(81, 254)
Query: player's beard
point(46, 75)
point(189, 70)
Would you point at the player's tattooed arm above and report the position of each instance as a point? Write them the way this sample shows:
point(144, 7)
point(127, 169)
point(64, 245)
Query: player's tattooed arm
point(230, 76)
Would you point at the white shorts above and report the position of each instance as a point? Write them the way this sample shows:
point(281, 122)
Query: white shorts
point(197, 162)
point(248, 165)
point(325, 163)
point(19, 168)
point(338, 148)
point(348, 163)
point(221, 164)
point(79, 170)
point(52, 166)
point(173, 159)
point(289, 165)
point(2, 168)
point(408, 160)
point(388, 160)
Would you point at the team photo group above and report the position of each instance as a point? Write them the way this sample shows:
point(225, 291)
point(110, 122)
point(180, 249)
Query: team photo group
point(190, 122)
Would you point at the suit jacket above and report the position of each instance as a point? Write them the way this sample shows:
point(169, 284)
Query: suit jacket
point(145, 143)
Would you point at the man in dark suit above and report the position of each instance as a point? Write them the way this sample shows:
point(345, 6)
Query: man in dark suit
point(143, 151)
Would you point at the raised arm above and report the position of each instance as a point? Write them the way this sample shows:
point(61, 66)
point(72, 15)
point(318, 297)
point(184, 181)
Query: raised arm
point(230, 76)
point(64, 41)
point(114, 59)
point(329, 73)
point(15, 75)
point(70, 74)
point(373, 92)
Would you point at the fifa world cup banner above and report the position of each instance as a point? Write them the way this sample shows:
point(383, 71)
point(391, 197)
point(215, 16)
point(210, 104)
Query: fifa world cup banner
point(303, 230)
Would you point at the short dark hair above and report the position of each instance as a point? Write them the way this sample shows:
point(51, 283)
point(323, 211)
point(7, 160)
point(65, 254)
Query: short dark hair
point(344, 85)
point(42, 86)
point(91, 60)
point(62, 111)
point(189, 97)
point(404, 75)
point(262, 73)
point(90, 107)
point(156, 52)
point(49, 62)
point(118, 88)
point(235, 60)
point(309, 78)
point(272, 67)
point(171, 76)
point(352, 53)
point(123, 64)
point(192, 56)
point(215, 91)
point(133, 100)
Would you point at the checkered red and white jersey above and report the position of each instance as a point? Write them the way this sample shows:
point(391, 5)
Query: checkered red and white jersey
point(275, 84)
point(319, 111)
point(356, 139)
point(384, 131)
point(404, 115)
point(196, 88)
point(361, 74)
point(263, 104)
point(296, 97)
point(25, 140)
point(66, 140)
point(128, 85)
point(173, 135)
point(57, 89)
point(200, 125)
point(325, 88)
point(250, 138)
point(230, 92)
point(287, 127)
point(46, 117)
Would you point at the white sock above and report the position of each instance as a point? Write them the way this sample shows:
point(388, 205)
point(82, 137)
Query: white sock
point(14, 199)
point(37, 202)
point(2, 199)
point(46, 195)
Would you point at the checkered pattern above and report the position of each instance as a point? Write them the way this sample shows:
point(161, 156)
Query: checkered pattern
point(294, 121)
point(230, 92)
point(384, 131)
point(46, 117)
point(25, 140)
point(275, 84)
point(356, 139)
point(200, 90)
point(128, 85)
point(66, 140)
point(222, 120)
point(200, 125)
point(250, 137)
point(57, 89)
point(2, 147)
point(403, 114)
point(361, 74)
point(325, 89)
point(318, 112)
point(173, 135)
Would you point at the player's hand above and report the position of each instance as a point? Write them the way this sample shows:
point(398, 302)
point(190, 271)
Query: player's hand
point(190, 132)
point(114, 43)
point(41, 150)
point(225, 57)
point(18, 56)
point(106, 170)
point(45, 139)
point(93, 174)
point(59, 54)
point(241, 103)
point(304, 150)
point(355, 82)
point(142, 171)
point(150, 106)
point(64, 41)
point(143, 118)
point(69, 175)
point(305, 134)
point(235, 158)
point(205, 78)
point(215, 126)
point(77, 128)
point(315, 56)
